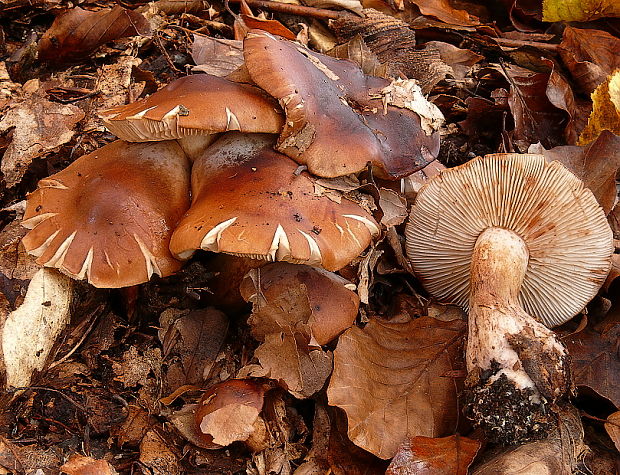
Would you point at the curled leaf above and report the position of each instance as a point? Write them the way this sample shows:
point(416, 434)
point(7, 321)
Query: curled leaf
point(605, 109)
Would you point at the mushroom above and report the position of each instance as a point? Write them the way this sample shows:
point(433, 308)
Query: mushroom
point(109, 215)
point(248, 200)
point(192, 109)
point(521, 244)
point(336, 121)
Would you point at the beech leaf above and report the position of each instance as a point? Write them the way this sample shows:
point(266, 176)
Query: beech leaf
point(390, 378)
point(605, 109)
point(427, 456)
point(612, 426)
point(579, 10)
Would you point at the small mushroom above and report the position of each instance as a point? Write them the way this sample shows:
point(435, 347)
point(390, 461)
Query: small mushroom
point(336, 122)
point(248, 201)
point(193, 108)
point(109, 215)
point(521, 244)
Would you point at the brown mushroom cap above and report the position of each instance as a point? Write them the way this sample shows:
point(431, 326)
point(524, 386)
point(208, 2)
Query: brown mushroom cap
point(568, 238)
point(108, 217)
point(334, 123)
point(247, 200)
point(195, 105)
point(331, 302)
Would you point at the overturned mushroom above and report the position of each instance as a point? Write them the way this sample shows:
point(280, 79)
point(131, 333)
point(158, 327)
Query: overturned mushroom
point(336, 122)
point(192, 108)
point(248, 200)
point(519, 242)
point(108, 217)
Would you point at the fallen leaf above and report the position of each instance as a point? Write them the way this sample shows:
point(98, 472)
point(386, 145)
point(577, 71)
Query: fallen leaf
point(356, 50)
point(596, 363)
point(80, 465)
point(296, 299)
point(156, 454)
point(40, 126)
point(352, 5)
point(216, 56)
point(461, 61)
point(30, 332)
point(579, 10)
point(30, 459)
point(270, 26)
point(133, 428)
point(390, 379)
point(134, 368)
point(77, 33)
point(16, 266)
point(535, 116)
point(590, 55)
point(229, 412)
point(605, 109)
point(394, 207)
point(595, 164)
point(560, 453)
point(192, 342)
point(443, 10)
point(427, 456)
point(612, 426)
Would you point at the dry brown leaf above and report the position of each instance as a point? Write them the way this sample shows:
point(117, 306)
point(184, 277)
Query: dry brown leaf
point(560, 453)
point(133, 427)
point(80, 465)
point(444, 11)
point(605, 109)
point(595, 164)
point(427, 456)
point(77, 33)
point(356, 50)
point(535, 116)
point(30, 332)
point(612, 426)
point(156, 454)
point(460, 60)
point(15, 262)
point(192, 342)
point(390, 378)
point(134, 368)
point(40, 126)
point(229, 411)
point(299, 299)
point(590, 55)
point(216, 56)
point(270, 26)
point(394, 207)
point(579, 10)
point(596, 363)
point(352, 5)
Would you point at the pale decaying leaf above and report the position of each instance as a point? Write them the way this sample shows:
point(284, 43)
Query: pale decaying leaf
point(40, 126)
point(579, 10)
point(30, 332)
point(394, 207)
point(390, 378)
point(80, 465)
point(612, 426)
point(157, 454)
point(231, 423)
point(406, 94)
point(605, 109)
point(134, 368)
point(353, 5)
point(216, 56)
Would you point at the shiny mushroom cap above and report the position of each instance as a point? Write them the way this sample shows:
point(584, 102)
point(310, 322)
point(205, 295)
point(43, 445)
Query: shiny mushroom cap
point(563, 227)
point(108, 217)
point(248, 201)
point(195, 105)
point(335, 121)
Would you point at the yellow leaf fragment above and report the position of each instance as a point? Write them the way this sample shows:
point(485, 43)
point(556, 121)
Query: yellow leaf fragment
point(579, 10)
point(605, 110)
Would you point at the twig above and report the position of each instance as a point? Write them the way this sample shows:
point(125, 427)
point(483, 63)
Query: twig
point(516, 43)
point(301, 10)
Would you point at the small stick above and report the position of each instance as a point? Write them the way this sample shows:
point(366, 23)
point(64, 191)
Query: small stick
point(301, 10)
point(516, 43)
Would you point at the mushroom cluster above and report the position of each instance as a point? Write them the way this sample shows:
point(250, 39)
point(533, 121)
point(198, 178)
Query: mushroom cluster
point(123, 212)
point(522, 245)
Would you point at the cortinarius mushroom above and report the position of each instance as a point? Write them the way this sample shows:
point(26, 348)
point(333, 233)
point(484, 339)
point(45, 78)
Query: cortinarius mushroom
point(109, 215)
point(519, 242)
point(336, 120)
point(248, 200)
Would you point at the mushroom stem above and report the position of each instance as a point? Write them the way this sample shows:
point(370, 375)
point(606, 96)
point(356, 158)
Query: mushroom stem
point(503, 338)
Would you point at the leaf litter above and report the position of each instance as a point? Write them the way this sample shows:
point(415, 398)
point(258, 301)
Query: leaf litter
point(112, 380)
